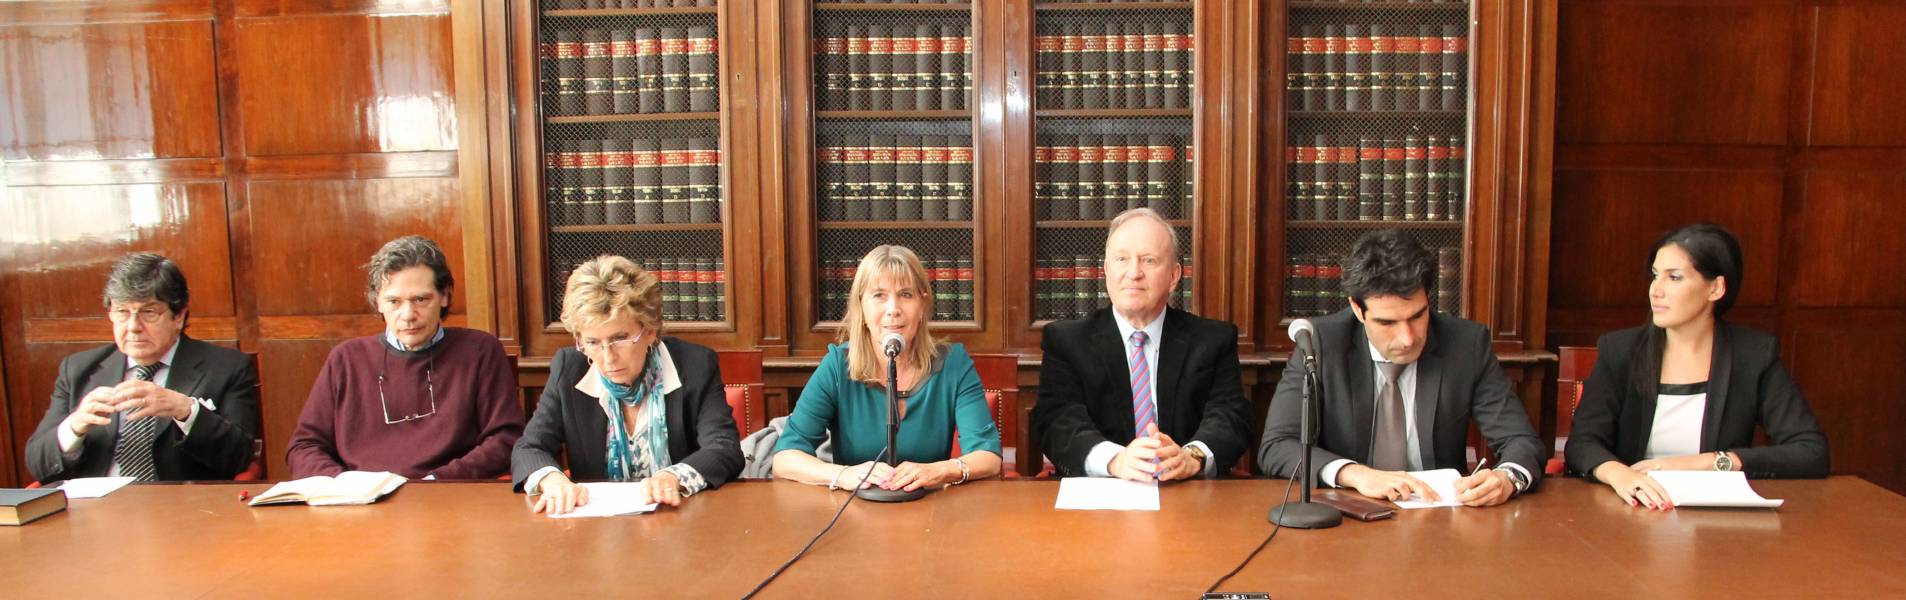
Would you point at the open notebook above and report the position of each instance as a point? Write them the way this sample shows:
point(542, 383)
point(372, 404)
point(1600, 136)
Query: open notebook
point(346, 489)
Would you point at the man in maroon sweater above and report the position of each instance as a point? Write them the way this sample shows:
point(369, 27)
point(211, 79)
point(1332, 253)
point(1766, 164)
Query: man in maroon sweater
point(420, 400)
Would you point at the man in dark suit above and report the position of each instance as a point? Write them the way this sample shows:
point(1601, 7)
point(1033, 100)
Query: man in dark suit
point(1139, 390)
point(155, 405)
point(1400, 386)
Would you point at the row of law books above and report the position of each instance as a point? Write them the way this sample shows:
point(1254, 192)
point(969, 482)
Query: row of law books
point(1370, 178)
point(599, 72)
point(1376, 67)
point(633, 182)
point(1088, 177)
point(951, 278)
point(1127, 64)
point(903, 178)
point(893, 67)
point(1314, 284)
point(1071, 287)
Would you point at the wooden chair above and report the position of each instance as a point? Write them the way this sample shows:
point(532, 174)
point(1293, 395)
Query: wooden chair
point(999, 378)
point(742, 377)
point(1571, 375)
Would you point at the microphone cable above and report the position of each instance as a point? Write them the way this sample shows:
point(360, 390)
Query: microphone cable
point(830, 526)
point(1267, 539)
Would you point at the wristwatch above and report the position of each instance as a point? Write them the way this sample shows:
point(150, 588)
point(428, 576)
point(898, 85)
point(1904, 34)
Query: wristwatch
point(1197, 452)
point(1723, 462)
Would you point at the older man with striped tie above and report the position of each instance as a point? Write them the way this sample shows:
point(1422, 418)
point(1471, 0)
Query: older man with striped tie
point(154, 405)
point(1140, 390)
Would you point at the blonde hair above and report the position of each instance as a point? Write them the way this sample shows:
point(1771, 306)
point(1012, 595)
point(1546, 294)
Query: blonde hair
point(608, 287)
point(863, 353)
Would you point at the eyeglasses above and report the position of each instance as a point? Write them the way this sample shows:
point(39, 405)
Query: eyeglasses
point(598, 348)
point(430, 383)
point(146, 315)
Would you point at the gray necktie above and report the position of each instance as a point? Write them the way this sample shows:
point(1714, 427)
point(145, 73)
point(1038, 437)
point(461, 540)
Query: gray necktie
point(134, 452)
point(1389, 448)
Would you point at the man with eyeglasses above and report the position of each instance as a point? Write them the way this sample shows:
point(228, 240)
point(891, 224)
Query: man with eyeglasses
point(155, 405)
point(419, 399)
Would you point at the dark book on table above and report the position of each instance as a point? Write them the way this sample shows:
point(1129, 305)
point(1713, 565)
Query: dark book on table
point(19, 507)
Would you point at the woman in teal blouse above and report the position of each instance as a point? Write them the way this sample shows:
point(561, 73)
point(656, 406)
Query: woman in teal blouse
point(846, 397)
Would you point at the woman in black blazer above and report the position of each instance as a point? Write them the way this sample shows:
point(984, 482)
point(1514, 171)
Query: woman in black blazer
point(626, 402)
point(1686, 391)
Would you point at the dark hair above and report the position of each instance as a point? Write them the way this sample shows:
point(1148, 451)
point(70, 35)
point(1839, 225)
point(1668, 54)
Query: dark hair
point(1715, 253)
point(404, 253)
point(1387, 262)
point(144, 276)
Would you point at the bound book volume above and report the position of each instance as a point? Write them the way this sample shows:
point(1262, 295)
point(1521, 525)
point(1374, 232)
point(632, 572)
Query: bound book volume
point(633, 182)
point(599, 72)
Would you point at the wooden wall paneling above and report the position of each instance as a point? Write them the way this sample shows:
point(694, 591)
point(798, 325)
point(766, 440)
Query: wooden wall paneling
point(98, 90)
point(498, 43)
point(1504, 202)
point(1013, 215)
point(290, 366)
point(317, 234)
point(797, 149)
point(1211, 177)
point(1612, 216)
point(67, 237)
point(1245, 35)
point(1849, 226)
point(1272, 181)
point(529, 186)
point(741, 184)
point(478, 283)
point(775, 56)
point(346, 83)
point(1859, 77)
point(1841, 357)
point(1674, 72)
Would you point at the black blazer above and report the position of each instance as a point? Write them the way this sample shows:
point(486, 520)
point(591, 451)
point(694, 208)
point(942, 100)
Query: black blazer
point(1085, 390)
point(219, 446)
point(1747, 385)
point(701, 427)
point(1457, 379)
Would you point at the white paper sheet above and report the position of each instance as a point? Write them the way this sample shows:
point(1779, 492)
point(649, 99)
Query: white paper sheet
point(93, 487)
point(1724, 489)
point(612, 499)
point(1106, 493)
point(1443, 481)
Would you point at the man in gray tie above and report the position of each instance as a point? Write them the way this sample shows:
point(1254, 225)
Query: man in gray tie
point(154, 405)
point(1400, 385)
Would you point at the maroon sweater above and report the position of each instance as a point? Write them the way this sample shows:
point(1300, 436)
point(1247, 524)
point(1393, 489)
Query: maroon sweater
point(477, 421)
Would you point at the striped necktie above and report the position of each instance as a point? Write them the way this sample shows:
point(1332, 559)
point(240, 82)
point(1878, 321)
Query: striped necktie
point(1144, 412)
point(134, 451)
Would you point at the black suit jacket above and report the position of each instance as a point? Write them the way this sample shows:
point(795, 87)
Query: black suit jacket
point(219, 446)
point(1457, 379)
point(1747, 385)
point(1085, 390)
point(701, 426)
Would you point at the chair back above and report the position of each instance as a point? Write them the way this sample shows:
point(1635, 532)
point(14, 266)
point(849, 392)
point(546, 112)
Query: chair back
point(999, 379)
point(742, 383)
point(256, 472)
point(1576, 362)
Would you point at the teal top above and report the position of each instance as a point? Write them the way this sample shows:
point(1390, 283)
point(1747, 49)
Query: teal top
point(949, 401)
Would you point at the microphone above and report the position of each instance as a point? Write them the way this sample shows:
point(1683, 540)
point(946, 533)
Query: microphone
point(1304, 514)
point(893, 344)
point(1304, 335)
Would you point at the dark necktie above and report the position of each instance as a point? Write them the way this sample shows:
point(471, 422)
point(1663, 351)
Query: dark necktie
point(134, 451)
point(1389, 448)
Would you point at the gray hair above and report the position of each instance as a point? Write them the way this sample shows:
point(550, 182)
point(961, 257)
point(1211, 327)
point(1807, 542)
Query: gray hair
point(404, 253)
point(1145, 213)
point(144, 276)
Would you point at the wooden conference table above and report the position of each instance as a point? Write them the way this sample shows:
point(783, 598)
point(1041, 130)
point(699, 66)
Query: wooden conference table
point(1841, 537)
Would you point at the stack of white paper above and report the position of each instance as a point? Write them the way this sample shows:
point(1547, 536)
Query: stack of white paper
point(1106, 493)
point(93, 487)
point(612, 499)
point(1443, 481)
point(1726, 489)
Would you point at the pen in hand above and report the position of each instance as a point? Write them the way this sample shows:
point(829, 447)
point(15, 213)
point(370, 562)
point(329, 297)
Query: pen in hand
point(1479, 465)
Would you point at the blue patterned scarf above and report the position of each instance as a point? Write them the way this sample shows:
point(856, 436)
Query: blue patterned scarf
point(632, 460)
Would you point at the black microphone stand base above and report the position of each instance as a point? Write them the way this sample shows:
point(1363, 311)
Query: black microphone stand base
point(1306, 515)
point(874, 494)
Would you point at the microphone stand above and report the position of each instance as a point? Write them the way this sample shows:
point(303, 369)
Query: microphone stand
point(1304, 514)
point(874, 494)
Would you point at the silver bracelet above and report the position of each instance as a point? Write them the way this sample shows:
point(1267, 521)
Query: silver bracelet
point(963, 471)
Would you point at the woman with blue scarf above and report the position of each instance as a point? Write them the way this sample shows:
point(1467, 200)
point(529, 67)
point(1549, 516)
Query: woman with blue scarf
point(628, 403)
